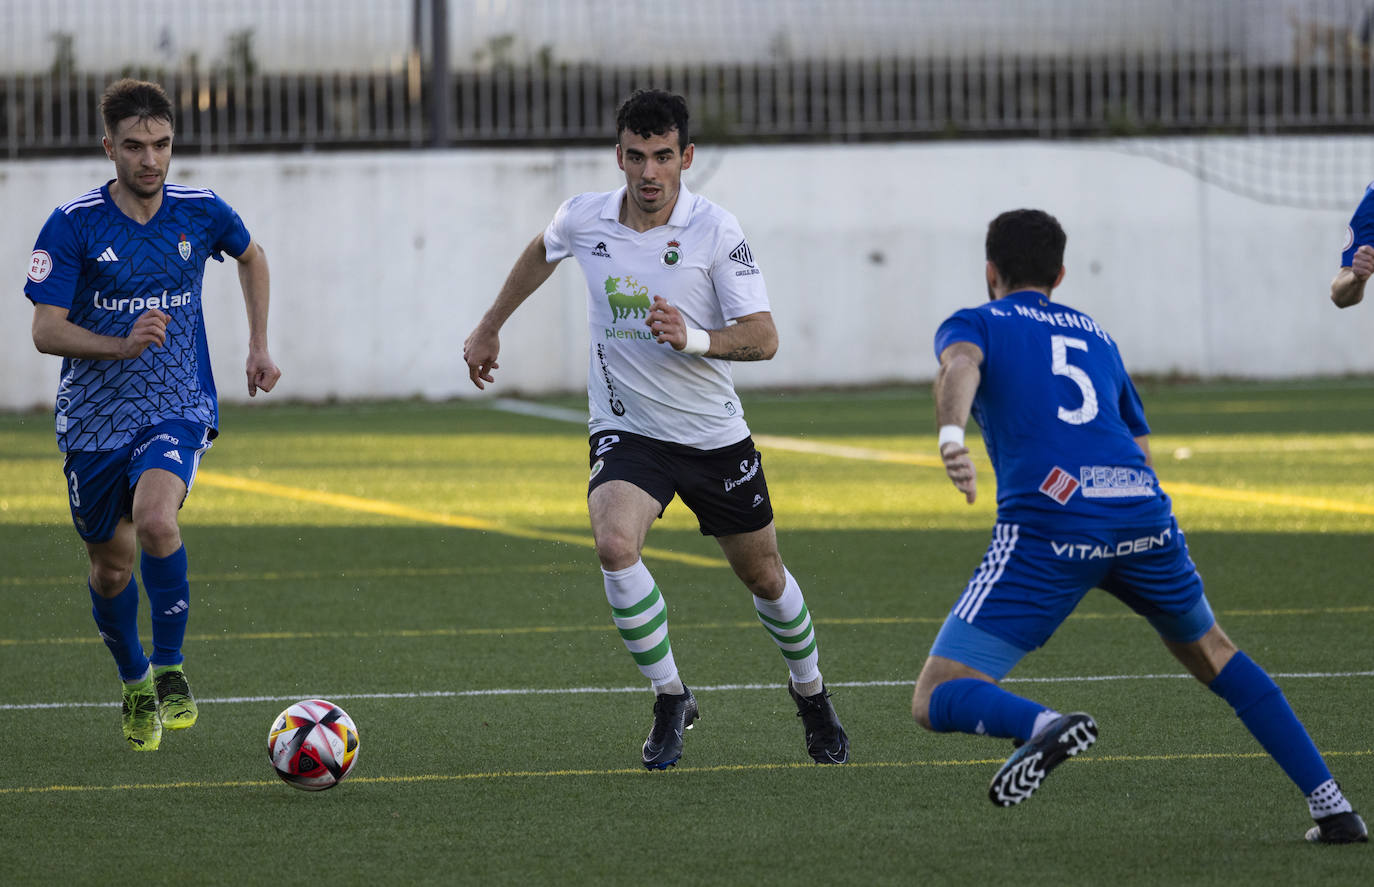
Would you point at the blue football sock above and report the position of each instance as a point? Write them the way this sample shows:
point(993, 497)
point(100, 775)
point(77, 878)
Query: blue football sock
point(117, 619)
point(968, 705)
point(1262, 708)
point(169, 597)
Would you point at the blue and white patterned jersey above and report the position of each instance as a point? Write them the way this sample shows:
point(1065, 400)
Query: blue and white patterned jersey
point(1059, 416)
point(107, 269)
point(1361, 230)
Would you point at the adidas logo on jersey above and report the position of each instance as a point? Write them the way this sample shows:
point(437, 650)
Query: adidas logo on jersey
point(108, 255)
point(173, 455)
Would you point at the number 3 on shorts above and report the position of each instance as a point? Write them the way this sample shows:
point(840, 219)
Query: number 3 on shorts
point(75, 494)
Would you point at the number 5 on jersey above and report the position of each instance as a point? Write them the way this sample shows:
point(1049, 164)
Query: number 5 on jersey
point(1060, 366)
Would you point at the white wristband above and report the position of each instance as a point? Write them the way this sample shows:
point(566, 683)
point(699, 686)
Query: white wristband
point(698, 341)
point(950, 434)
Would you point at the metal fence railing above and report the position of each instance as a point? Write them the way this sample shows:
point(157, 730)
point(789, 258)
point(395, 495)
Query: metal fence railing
point(260, 74)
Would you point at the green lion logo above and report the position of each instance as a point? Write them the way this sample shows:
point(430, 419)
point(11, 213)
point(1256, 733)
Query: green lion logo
point(635, 302)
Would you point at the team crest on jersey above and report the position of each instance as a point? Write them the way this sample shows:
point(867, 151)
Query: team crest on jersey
point(671, 256)
point(1059, 485)
point(184, 248)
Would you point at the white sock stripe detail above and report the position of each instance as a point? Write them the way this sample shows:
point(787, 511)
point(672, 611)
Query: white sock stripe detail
point(794, 634)
point(626, 622)
point(989, 571)
point(627, 587)
point(793, 646)
point(648, 642)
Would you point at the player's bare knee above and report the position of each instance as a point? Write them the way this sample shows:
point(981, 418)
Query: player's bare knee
point(158, 534)
point(765, 583)
point(920, 709)
point(109, 579)
point(1205, 657)
point(616, 552)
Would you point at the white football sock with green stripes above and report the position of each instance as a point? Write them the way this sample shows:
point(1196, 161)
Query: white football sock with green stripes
point(641, 615)
point(788, 621)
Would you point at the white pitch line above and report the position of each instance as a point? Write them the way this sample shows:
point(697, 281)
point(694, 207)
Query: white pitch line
point(525, 408)
point(709, 688)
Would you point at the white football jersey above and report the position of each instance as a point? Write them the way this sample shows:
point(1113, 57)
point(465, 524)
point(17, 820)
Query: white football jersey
point(700, 263)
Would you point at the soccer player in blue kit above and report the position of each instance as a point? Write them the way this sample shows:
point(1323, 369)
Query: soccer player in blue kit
point(115, 280)
point(1078, 506)
point(1357, 259)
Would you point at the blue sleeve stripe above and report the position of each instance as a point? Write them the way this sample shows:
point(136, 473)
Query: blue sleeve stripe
point(189, 193)
point(90, 198)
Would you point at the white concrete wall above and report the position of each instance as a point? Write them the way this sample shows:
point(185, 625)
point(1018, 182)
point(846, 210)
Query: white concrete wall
point(381, 262)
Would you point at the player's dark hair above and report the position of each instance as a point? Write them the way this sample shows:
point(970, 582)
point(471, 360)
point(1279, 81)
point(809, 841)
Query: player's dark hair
point(1027, 246)
point(134, 98)
point(653, 112)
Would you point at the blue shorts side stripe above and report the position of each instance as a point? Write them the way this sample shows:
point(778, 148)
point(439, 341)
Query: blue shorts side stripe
point(994, 563)
point(205, 444)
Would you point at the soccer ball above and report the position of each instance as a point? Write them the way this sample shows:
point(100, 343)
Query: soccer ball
point(313, 745)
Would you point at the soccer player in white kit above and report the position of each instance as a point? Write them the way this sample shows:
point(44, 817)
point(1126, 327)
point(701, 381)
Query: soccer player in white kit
point(673, 296)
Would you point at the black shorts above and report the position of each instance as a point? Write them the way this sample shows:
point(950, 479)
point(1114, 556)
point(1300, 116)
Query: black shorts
point(725, 488)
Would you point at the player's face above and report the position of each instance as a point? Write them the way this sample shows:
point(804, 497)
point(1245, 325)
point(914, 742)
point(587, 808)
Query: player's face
point(142, 152)
point(653, 170)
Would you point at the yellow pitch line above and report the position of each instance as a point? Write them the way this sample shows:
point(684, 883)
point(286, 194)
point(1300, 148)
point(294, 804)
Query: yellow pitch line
point(687, 626)
point(464, 632)
point(405, 512)
point(1281, 500)
point(1253, 497)
point(364, 573)
point(554, 629)
point(640, 773)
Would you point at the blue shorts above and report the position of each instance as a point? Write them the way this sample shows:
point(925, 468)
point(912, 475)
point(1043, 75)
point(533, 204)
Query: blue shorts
point(1031, 579)
point(100, 485)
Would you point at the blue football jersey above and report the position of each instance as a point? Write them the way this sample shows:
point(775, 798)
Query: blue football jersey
point(107, 269)
point(1059, 416)
point(1361, 230)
